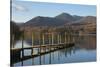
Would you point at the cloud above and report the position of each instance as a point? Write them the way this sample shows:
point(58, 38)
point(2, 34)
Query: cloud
point(19, 7)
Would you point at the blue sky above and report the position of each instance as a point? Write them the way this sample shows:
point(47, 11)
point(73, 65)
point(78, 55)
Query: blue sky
point(23, 11)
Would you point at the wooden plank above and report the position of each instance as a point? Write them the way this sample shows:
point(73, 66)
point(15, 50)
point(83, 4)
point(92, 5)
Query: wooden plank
point(42, 46)
point(42, 53)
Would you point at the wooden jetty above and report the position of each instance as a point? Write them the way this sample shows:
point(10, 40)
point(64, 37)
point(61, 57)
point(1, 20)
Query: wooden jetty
point(55, 48)
point(43, 48)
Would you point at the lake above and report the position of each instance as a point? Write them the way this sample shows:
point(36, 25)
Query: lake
point(83, 51)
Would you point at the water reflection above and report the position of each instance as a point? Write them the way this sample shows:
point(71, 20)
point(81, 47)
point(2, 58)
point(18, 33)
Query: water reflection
point(87, 42)
point(83, 51)
point(62, 56)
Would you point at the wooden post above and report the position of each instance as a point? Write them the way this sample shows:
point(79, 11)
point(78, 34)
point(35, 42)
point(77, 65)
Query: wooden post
point(40, 41)
point(43, 40)
point(65, 38)
point(68, 38)
point(40, 47)
point(23, 45)
point(44, 49)
point(58, 39)
point(52, 39)
point(32, 44)
point(32, 48)
point(49, 42)
point(73, 36)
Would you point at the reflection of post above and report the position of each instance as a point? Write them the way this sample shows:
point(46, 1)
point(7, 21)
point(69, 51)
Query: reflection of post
point(66, 52)
point(32, 44)
point(58, 56)
point(40, 59)
point(22, 63)
point(44, 59)
point(70, 51)
point(50, 58)
point(53, 55)
point(32, 61)
point(74, 50)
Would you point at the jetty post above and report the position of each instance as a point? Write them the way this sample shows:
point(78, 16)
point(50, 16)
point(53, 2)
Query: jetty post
point(65, 38)
point(43, 40)
point(52, 36)
point(32, 53)
point(58, 38)
point(49, 41)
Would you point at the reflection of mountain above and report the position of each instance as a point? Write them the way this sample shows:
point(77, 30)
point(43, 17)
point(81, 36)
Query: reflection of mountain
point(87, 42)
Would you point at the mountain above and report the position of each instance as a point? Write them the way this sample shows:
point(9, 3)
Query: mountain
point(77, 17)
point(65, 17)
point(85, 20)
point(86, 24)
point(68, 17)
point(45, 21)
point(20, 24)
point(59, 20)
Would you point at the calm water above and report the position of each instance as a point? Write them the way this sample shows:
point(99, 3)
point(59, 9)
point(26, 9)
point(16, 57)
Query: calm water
point(83, 51)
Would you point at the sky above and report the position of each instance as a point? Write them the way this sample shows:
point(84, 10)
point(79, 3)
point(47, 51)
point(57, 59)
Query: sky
point(23, 11)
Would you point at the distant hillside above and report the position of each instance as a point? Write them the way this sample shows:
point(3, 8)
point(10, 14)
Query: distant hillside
point(87, 23)
point(68, 17)
point(59, 20)
point(45, 21)
point(65, 17)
